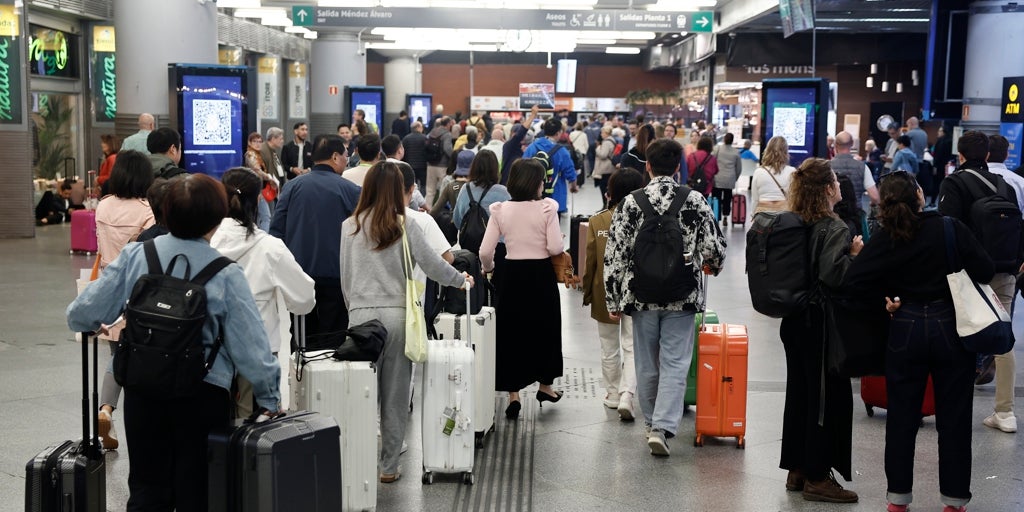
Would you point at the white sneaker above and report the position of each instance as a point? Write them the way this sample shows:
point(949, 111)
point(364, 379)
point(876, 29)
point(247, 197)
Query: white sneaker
point(656, 442)
point(625, 406)
point(611, 401)
point(1004, 421)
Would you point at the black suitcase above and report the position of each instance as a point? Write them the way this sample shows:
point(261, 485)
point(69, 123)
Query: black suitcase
point(288, 463)
point(72, 476)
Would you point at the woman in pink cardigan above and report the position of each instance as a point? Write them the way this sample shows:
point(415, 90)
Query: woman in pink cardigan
point(529, 322)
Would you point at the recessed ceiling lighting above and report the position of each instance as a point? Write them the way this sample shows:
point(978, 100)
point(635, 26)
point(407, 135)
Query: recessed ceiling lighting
point(622, 50)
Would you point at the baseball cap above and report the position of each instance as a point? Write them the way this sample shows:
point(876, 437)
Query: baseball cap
point(465, 160)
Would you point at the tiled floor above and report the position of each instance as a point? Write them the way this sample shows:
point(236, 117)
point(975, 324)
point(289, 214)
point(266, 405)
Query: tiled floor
point(573, 455)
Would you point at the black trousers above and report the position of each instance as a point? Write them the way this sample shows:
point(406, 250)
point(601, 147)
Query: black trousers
point(923, 341)
point(724, 196)
point(326, 323)
point(167, 452)
point(602, 185)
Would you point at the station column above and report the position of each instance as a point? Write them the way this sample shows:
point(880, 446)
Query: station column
point(337, 61)
point(994, 42)
point(402, 75)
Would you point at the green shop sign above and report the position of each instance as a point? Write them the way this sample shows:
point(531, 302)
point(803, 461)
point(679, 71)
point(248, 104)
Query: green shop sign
point(104, 73)
point(10, 81)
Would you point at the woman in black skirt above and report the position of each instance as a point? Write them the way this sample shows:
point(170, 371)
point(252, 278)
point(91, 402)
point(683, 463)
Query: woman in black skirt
point(529, 322)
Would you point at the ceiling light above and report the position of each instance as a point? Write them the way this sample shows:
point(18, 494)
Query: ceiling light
point(874, 69)
point(873, 20)
point(870, 82)
point(885, 86)
point(622, 50)
point(681, 5)
point(296, 30)
point(259, 13)
point(238, 4)
point(601, 42)
point(276, 22)
point(346, 3)
point(899, 87)
point(309, 35)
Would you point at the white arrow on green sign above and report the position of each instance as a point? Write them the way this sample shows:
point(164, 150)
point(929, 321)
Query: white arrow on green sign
point(702, 21)
point(302, 15)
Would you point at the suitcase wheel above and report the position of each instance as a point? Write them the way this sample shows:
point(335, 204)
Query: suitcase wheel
point(428, 478)
point(467, 478)
point(870, 410)
point(741, 444)
point(698, 441)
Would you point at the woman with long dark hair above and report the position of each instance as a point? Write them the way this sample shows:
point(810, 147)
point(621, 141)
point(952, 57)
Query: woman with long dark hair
point(636, 158)
point(529, 334)
point(276, 280)
point(817, 429)
point(374, 284)
point(904, 268)
point(110, 144)
point(702, 160)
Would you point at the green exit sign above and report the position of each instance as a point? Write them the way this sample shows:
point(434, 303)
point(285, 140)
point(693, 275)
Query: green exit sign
point(702, 21)
point(302, 15)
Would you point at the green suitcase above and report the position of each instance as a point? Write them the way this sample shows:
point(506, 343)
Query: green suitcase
point(691, 376)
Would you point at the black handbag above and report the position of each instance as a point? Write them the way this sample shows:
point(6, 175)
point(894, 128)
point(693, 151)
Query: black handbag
point(363, 342)
point(856, 334)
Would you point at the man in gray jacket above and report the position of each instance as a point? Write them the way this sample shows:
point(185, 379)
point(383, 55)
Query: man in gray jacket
point(437, 169)
point(729, 168)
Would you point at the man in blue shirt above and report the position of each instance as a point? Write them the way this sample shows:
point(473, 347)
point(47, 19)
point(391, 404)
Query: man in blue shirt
point(561, 162)
point(747, 154)
point(308, 218)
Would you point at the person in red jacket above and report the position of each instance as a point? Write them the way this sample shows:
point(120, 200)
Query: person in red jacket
point(111, 145)
point(703, 160)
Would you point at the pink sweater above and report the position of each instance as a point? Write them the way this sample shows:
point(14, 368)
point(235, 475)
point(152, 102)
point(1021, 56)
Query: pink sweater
point(530, 229)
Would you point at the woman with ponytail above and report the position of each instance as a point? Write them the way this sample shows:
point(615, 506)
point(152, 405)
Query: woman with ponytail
point(903, 269)
point(817, 429)
point(277, 281)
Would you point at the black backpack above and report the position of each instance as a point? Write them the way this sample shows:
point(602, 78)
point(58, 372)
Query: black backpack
point(778, 263)
point(169, 171)
point(661, 271)
point(434, 150)
point(474, 222)
point(545, 159)
point(697, 180)
point(160, 353)
point(996, 221)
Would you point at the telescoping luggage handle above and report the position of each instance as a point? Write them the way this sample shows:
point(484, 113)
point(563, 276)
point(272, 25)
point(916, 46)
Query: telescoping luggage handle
point(469, 315)
point(91, 445)
point(704, 307)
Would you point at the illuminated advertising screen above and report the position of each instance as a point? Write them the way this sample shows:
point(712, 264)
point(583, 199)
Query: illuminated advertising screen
point(368, 99)
point(793, 110)
point(213, 117)
point(419, 107)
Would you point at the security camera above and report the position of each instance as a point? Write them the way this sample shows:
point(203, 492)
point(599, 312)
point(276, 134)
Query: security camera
point(361, 51)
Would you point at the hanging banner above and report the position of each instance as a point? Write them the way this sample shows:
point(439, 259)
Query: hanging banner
point(11, 82)
point(1014, 133)
point(267, 77)
point(297, 91)
point(542, 95)
point(104, 74)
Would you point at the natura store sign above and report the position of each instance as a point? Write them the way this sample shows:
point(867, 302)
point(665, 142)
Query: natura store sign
point(104, 73)
point(11, 82)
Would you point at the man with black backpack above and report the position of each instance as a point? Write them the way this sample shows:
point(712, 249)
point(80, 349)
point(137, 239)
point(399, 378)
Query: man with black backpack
point(438, 152)
point(984, 201)
point(661, 238)
point(557, 162)
point(164, 147)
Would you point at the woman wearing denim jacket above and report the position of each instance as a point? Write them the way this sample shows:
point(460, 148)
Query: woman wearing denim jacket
point(167, 437)
point(904, 268)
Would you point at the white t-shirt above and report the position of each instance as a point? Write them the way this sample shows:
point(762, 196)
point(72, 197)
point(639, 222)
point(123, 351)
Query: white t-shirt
point(356, 174)
point(764, 188)
point(435, 238)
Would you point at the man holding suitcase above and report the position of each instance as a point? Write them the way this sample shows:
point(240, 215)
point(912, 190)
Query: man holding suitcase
point(652, 274)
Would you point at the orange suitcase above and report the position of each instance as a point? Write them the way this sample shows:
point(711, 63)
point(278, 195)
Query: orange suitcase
point(722, 383)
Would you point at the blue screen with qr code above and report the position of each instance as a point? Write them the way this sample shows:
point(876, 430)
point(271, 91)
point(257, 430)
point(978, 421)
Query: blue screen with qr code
point(213, 139)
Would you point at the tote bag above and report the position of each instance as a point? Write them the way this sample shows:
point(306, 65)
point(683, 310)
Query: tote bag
point(981, 321)
point(415, 322)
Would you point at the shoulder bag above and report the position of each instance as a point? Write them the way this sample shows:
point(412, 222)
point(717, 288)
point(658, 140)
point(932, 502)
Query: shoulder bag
point(415, 321)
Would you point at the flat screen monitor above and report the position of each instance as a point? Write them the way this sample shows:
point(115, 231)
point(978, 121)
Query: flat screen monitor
point(565, 79)
point(419, 107)
point(796, 110)
point(212, 115)
point(368, 99)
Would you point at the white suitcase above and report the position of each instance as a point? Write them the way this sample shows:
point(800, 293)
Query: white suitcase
point(447, 407)
point(346, 391)
point(449, 326)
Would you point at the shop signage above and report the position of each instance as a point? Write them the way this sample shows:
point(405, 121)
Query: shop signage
point(9, 24)
point(1013, 95)
point(51, 52)
point(542, 95)
point(11, 83)
point(494, 103)
point(267, 74)
point(104, 73)
point(297, 90)
point(229, 56)
point(509, 19)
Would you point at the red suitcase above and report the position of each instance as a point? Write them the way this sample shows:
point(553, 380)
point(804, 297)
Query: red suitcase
point(739, 209)
point(722, 383)
point(83, 231)
point(872, 391)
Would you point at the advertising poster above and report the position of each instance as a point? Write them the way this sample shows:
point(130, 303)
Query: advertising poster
point(104, 74)
point(1014, 133)
point(791, 114)
point(267, 77)
point(11, 82)
point(494, 103)
point(371, 103)
point(297, 91)
point(213, 140)
point(420, 107)
point(542, 95)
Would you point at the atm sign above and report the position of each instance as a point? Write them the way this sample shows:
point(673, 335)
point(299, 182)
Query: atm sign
point(1011, 100)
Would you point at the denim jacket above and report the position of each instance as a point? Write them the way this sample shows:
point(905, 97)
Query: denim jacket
point(230, 306)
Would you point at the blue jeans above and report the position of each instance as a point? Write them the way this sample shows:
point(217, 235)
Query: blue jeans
point(923, 341)
point(662, 348)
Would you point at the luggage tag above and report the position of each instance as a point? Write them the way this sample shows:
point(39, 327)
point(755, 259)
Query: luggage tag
point(449, 423)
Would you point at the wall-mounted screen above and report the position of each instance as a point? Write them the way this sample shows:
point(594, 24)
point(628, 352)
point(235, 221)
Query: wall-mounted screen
point(565, 79)
point(52, 52)
point(796, 110)
point(212, 116)
point(368, 99)
point(419, 107)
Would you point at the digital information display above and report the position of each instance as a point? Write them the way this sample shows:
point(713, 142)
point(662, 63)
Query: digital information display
point(791, 113)
point(213, 123)
point(419, 107)
point(371, 103)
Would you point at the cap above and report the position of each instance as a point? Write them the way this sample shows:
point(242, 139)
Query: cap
point(464, 161)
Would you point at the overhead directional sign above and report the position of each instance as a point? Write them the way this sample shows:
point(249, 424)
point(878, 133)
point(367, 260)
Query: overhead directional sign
point(510, 19)
point(302, 15)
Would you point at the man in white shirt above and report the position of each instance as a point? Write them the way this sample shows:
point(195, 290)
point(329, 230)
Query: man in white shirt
point(137, 141)
point(369, 154)
point(998, 149)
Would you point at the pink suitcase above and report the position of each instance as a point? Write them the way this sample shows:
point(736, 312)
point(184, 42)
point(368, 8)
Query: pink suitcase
point(83, 231)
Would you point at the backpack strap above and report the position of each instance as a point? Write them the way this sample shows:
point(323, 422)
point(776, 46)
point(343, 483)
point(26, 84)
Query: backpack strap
point(645, 204)
point(152, 258)
point(983, 180)
point(952, 255)
point(211, 270)
point(678, 201)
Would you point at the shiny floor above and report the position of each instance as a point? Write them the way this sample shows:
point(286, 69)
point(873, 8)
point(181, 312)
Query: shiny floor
point(573, 455)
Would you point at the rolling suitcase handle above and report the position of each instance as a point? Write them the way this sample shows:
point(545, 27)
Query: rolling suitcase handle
point(91, 444)
point(469, 315)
